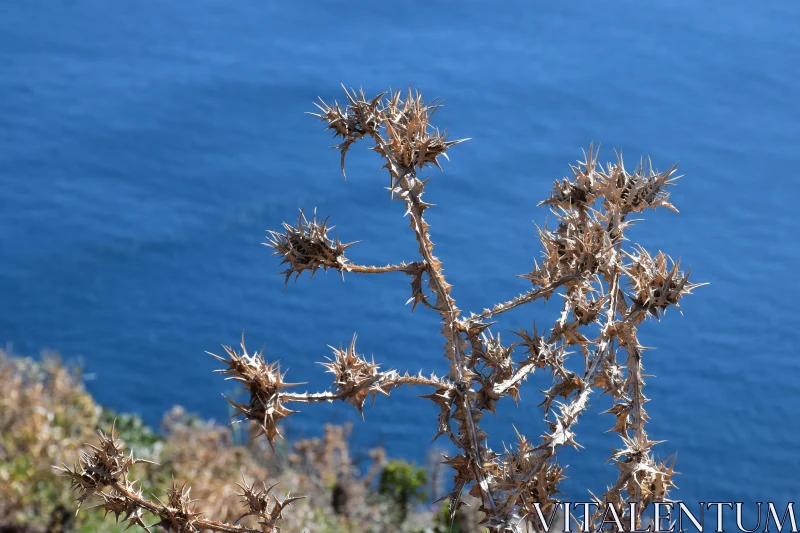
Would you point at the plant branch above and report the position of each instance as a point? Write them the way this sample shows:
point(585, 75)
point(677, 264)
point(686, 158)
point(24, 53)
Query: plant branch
point(410, 268)
point(382, 383)
point(530, 296)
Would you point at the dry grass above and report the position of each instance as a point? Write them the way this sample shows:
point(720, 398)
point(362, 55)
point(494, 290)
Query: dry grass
point(608, 286)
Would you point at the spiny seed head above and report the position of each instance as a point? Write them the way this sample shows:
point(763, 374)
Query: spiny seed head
point(114, 502)
point(582, 190)
point(179, 513)
point(657, 284)
point(400, 128)
point(620, 190)
point(353, 374)
point(104, 467)
point(262, 504)
point(263, 382)
point(645, 188)
point(579, 245)
point(307, 247)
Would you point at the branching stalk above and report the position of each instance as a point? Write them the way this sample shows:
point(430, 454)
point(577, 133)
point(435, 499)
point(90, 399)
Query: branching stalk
point(583, 260)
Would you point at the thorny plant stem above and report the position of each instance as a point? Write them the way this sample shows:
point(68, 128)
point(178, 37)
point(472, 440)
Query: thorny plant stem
point(529, 366)
point(390, 382)
point(410, 268)
point(450, 314)
point(545, 455)
point(581, 402)
point(530, 296)
point(199, 523)
point(634, 367)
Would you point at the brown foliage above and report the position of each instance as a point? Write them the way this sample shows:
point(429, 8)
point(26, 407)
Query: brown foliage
point(44, 418)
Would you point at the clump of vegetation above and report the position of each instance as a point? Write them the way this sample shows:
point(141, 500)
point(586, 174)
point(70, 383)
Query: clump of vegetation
point(405, 484)
point(44, 418)
point(46, 415)
point(608, 289)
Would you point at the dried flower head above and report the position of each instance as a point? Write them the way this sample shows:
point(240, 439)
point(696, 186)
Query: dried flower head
point(178, 514)
point(580, 192)
point(645, 188)
point(263, 382)
point(657, 285)
point(104, 467)
point(263, 505)
point(308, 247)
point(354, 376)
point(401, 128)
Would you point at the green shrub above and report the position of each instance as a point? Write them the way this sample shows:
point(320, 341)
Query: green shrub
point(404, 483)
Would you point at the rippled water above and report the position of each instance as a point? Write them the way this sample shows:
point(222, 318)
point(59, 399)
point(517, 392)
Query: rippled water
point(145, 148)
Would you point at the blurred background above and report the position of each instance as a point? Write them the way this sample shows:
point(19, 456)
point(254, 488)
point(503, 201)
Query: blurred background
point(145, 147)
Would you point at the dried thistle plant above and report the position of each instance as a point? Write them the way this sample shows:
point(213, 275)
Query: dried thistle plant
point(604, 286)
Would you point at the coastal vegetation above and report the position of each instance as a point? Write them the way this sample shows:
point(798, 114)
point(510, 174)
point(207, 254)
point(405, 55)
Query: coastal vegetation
point(46, 417)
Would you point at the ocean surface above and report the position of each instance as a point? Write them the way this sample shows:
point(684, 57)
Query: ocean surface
point(146, 147)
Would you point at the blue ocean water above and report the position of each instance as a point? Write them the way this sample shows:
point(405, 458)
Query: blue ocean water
point(145, 147)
